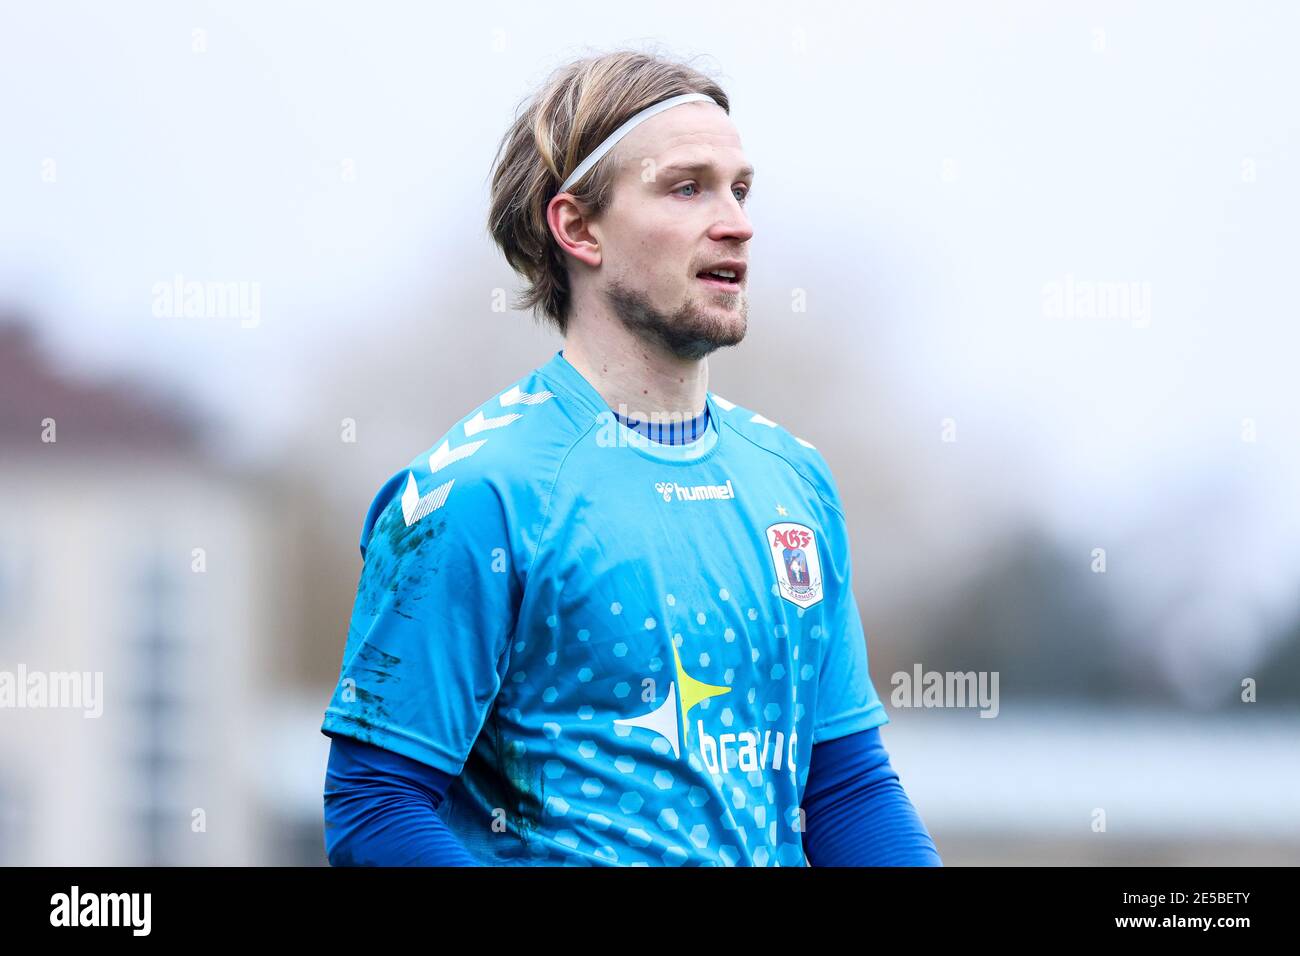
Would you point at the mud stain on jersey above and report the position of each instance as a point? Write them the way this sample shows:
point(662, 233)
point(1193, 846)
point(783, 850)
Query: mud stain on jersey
point(394, 570)
point(513, 782)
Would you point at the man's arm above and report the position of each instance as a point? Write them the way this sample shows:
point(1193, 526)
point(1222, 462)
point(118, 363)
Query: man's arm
point(381, 810)
point(427, 649)
point(856, 812)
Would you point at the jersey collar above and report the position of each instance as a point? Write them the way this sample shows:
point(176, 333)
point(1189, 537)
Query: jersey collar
point(560, 371)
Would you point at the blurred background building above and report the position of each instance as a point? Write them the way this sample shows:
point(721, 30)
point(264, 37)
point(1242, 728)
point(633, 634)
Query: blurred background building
point(929, 182)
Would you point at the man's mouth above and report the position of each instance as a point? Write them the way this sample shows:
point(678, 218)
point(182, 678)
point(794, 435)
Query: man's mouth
point(720, 278)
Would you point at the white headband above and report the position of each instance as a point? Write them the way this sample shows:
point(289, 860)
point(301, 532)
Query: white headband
point(585, 166)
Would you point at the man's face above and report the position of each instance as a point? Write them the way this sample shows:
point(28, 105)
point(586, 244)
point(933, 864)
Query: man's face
point(678, 210)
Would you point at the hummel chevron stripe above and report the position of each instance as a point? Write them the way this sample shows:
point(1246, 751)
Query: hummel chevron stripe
point(414, 507)
point(481, 424)
point(444, 456)
point(515, 396)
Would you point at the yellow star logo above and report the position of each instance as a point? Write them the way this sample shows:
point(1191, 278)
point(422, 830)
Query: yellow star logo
point(693, 691)
point(664, 719)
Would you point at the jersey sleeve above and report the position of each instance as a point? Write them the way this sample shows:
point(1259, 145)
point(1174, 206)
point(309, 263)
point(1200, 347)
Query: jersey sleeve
point(847, 701)
point(436, 605)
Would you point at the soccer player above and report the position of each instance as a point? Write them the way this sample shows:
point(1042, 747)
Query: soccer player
point(608, 618)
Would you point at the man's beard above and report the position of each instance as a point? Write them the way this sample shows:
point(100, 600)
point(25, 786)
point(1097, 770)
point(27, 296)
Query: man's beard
point(688, 333)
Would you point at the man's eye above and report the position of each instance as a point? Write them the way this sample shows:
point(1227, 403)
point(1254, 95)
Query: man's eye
point(744, 191)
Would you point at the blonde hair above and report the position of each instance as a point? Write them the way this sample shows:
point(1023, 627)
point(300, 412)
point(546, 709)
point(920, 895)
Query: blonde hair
point(577, 107)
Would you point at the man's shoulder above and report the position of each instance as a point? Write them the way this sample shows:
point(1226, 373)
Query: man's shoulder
point(797, 452)
point(509, 436)
point(500, 455)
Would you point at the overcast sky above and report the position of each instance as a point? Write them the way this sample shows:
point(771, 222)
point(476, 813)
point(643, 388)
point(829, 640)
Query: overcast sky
point(939, 176)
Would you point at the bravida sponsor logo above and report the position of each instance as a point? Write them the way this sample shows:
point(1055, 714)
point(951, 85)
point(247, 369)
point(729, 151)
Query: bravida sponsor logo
point(749, 749)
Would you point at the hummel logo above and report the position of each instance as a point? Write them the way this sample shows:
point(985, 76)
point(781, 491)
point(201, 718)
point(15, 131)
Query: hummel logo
point(695, 492)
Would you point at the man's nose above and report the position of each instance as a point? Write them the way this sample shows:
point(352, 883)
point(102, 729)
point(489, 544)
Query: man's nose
point(733, 222)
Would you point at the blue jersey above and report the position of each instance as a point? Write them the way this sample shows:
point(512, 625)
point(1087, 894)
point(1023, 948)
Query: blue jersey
point(624, 649)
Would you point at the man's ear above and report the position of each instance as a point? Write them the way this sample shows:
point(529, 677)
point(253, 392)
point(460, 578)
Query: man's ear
point(571, 228)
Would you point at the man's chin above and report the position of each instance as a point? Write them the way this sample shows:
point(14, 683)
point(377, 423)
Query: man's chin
point(706, 331)
point(695, 330)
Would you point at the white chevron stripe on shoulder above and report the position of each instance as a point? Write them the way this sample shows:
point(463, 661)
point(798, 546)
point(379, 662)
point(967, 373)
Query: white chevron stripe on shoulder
point(758, 419)
point(480, 423)
point(415, 507)
point(444, 456)
point(517, 396)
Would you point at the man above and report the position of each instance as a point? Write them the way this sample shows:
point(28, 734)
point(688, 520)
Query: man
point(608, 618)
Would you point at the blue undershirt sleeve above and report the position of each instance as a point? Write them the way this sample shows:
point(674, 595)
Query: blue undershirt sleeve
point(381, 810)
point(856, 812)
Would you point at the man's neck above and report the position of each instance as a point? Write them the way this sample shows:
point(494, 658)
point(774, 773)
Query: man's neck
point(637, 380)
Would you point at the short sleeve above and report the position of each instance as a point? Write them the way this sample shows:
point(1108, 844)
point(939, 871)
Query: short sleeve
point(429, 637)
point(847, 701)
